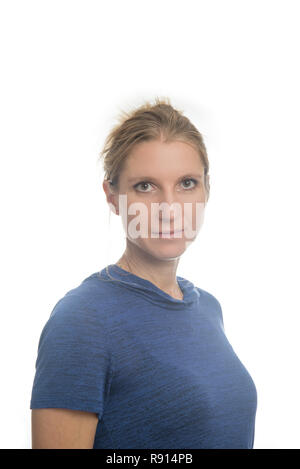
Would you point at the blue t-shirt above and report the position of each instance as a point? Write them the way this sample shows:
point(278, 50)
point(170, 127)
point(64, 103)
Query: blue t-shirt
point(158, 371)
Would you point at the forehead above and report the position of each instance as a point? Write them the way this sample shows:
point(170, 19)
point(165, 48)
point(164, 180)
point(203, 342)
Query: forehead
point(160, 159)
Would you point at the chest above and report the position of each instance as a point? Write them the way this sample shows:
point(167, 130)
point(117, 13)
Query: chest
point(188, 363)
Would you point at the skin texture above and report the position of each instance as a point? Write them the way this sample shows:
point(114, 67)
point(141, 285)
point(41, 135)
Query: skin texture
point(63, 429)
point(165, 164)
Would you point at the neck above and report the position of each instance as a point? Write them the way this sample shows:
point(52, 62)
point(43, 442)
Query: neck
point(161, 273)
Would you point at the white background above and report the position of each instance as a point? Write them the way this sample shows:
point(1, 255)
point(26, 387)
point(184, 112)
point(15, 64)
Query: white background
point(67, 69)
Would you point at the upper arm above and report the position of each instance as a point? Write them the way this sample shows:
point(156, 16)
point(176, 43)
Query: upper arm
point(63, 429)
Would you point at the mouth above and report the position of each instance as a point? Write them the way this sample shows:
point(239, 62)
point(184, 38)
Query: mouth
point(168, 232)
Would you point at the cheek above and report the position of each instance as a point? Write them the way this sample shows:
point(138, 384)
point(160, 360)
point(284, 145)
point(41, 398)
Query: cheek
point(139, 218)
point(193, 217)
point(136, 218)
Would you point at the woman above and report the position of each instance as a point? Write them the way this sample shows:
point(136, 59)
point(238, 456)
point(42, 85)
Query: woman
point(135, 356)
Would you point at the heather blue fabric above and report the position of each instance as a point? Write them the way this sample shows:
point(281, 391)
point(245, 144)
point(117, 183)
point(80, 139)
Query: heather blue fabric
point(158, 371)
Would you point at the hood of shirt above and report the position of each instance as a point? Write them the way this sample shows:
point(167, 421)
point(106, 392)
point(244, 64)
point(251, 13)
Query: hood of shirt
point(141, 286)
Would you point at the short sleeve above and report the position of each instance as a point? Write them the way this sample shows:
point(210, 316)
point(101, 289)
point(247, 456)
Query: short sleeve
point(73, 364)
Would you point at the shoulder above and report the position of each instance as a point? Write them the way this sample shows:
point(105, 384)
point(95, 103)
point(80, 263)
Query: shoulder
point(81, 311)
point(208, 297)
point(209, 301)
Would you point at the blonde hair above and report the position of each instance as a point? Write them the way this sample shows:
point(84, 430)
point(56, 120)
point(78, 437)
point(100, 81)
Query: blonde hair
point(145, 123)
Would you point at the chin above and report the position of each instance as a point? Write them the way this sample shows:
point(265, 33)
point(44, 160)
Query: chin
point(166, 249)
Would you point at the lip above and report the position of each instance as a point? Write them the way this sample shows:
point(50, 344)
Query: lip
point(169, 232)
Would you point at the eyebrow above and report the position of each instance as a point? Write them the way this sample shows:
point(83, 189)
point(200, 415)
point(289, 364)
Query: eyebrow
point(154, 179)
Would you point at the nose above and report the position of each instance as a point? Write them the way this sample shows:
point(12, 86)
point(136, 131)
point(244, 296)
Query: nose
point(168, 196)
point(169, 207)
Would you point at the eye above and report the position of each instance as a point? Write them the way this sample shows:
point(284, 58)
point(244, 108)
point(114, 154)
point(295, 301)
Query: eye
point(142, 183)
point(147, 184)
point(193, 180)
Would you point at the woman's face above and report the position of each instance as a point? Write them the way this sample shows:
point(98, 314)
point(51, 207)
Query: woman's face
point(161, 189)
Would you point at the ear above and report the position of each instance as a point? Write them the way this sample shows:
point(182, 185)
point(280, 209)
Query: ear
point(111, 197)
